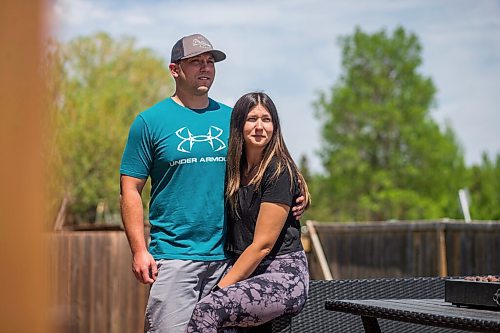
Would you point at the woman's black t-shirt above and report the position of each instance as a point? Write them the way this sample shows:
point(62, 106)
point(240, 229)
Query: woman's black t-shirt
point(273, 190)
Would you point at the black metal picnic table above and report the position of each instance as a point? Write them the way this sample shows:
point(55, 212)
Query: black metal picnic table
point(431, 312)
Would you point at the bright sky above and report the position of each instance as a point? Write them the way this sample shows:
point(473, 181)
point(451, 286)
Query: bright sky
point(289, 50)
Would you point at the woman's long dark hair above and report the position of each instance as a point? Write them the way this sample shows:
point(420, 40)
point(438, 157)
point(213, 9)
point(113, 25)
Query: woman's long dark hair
point(236, 158)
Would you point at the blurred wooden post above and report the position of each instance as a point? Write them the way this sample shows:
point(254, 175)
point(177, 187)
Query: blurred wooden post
point(24, 284)
point(318, 250)
point(442, 261)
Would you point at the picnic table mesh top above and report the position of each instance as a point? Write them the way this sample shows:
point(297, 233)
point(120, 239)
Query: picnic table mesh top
point(433, 312)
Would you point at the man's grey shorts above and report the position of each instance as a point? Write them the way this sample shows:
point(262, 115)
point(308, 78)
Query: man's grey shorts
point(180, 284)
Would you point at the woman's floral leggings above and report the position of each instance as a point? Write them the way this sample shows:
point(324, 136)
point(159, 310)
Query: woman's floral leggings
point(278, 286)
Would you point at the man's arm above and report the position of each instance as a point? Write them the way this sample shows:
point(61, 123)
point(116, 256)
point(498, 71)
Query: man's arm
point(143, 264)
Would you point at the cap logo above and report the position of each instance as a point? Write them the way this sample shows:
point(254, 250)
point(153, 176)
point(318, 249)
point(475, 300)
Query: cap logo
point(201, 43)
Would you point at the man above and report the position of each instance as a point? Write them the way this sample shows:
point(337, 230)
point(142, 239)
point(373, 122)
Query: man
point(181, 143)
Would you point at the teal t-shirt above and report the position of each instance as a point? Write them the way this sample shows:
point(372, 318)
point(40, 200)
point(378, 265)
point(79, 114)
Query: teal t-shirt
point(184, 152)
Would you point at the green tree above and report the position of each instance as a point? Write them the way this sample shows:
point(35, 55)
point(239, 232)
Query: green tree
point(96, 85)
point(384, 155)
point(484, 189)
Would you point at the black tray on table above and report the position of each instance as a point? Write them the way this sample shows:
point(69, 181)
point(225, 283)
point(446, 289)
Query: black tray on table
point(480, 294)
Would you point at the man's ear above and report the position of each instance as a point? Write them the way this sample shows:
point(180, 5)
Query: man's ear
point(174, 69)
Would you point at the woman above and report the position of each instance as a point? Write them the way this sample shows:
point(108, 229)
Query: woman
point(269, 276)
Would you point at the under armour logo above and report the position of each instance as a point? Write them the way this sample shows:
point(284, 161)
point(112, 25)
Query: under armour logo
point(201, 43)
point(187, 136)
point(496, 297)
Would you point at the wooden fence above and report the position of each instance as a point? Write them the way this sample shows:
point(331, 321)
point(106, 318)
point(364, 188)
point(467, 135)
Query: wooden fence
point(93, 285)
point(95, 290)
point(399, 249)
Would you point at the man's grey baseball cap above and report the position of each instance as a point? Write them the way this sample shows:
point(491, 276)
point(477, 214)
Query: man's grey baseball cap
point(193, 45)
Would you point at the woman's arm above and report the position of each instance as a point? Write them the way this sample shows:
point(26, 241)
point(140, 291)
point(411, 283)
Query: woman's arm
point(270, 222)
